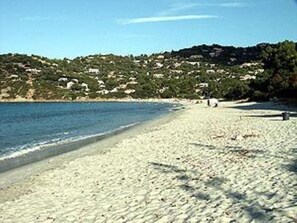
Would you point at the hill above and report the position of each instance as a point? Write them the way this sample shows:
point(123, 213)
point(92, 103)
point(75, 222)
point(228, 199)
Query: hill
point(219, 71)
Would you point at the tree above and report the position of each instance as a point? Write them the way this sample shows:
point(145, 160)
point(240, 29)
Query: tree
point(283, 57)
point(280, 77)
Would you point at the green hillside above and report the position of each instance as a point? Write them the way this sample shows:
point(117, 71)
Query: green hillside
point(218, 71)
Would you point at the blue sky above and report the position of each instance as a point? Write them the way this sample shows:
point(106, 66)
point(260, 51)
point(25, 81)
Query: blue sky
point(70, 28)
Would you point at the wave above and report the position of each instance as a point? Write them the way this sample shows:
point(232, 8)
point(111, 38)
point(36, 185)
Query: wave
point(29, 153)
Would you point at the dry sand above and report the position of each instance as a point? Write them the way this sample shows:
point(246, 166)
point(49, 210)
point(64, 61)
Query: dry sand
point(200, 165)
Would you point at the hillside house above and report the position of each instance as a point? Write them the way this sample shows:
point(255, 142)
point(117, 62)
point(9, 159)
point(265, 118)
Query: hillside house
point(163, 89)
point(247, 77)
point(132, 82)
point(84, 85)
point(100, 82)
point(210, 71)
point(114, 90)
point(129, 91)
point(221, 71)
point(63, 79)
point(196, 57)
point(111, 74)
point(103, 92)
point(33, 70)
point(177, 65)
point(203, 85)
point(69, 84)
point(158, 75)
point(259, 71)
point(248, 65)
point(212, 54)
point(132, 78)
point(176, 71)
point(123, 86)
point(158, 65)
point(94, 70)
point(194, 63)
point(13, 76)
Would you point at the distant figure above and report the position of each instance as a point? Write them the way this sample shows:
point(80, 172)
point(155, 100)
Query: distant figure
point(213, 102)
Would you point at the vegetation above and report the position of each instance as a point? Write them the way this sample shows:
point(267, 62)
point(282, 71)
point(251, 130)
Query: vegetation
point(259, 72)
point(280, 76)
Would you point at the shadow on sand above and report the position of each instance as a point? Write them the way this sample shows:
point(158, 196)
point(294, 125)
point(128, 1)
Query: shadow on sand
point(292, 115)
point(256, 211)
point(237, 150)
point(266, 106)
point(292, 166)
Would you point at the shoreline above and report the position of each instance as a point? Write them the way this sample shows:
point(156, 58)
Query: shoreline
point(233, 163)
point(27, 157)
point(157, 100)
point(22, 158)
point(72, 150)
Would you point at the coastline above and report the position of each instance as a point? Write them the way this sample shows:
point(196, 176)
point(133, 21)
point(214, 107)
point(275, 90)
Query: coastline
point(236, 162)
point(31, 155)
point(159, 100)
point(51, 157)
point(28, 157)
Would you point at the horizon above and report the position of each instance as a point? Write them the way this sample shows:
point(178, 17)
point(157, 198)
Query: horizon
point(73, 29)
point(161, 52)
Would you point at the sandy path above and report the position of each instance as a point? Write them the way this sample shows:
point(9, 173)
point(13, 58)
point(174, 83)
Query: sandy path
point(207, 165)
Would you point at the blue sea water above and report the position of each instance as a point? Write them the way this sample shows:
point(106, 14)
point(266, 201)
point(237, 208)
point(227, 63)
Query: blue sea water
point(29, 126)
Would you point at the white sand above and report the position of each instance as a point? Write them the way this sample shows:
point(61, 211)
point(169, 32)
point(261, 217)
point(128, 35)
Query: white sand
point(203, 165)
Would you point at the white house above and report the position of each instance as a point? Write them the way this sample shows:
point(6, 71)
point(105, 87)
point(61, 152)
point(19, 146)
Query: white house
point(100, 82)
point(85, 86)
point(247, 77)
point(114, 90)
point(193, 63)
point(210, 71)
point(14, 76)
point(158, 75)
point(132, 78)
point(176, 71)
point(94, 70)
point(177, 64)
point(220, 71)
point(248, 65)
point(70, 84)
point(123, 86)
point(102, 92)
point(196, 56)
point(203, 85)
point(129, 91)
point(33, 70)
point(163, 89)
point(159, 65)
point(132, 82)
point(63, 79)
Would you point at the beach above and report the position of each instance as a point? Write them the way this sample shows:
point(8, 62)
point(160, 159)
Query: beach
point(233, 163)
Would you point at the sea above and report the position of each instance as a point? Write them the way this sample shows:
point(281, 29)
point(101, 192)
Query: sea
point(29, 128)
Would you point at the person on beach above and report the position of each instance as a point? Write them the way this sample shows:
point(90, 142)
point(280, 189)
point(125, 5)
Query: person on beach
point(213, 102)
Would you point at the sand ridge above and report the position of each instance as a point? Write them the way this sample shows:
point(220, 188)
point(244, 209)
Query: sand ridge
point(221, 164)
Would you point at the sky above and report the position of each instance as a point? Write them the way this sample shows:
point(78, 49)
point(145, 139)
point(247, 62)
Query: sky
point(71, 28)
